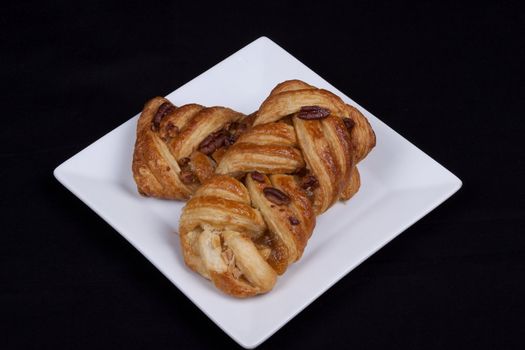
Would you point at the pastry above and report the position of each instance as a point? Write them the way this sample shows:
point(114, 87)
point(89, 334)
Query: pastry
point(249, 222)
point(177, 148)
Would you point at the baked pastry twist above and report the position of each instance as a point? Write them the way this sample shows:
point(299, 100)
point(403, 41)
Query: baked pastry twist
point(246, 225)
point(177, 147)
point(306, 131)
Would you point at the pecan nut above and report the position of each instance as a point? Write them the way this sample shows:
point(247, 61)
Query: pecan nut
point(257, 176)
point(213, 141)
point(313, 112)
point(183, 162)
point(293, 220)
point(349, 123)
point(187, 177)
point(172, 130)
point(164, 109)
point(276, 196)
point(309, 182)
point(230, 140)
point(168, 132)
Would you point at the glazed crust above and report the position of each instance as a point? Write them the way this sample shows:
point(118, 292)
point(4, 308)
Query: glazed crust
point(233, 235)
point(346, 148)
point(217, 229)
point(161, 145)
point(154, 169)
point(254, 217)
point(254, 191)
point(269, 148)
point(281, 142)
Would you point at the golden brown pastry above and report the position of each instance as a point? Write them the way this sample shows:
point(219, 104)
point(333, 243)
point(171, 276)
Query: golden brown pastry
point(247, 224)
point(309, 132)
point(242, 236)
point(176, 147)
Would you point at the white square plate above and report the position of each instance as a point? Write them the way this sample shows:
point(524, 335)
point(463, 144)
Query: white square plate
point(400, 184)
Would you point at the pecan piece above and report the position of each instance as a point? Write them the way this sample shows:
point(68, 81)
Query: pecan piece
point(213, 141)
point(186, 173)
point(349, 123)
point(276, 196)
point(168, 132)
point(293, 220)
point(257, 176)
point(163, 110)
point(187, 177)
point(309, 182)
point(183, 162)
point(230, 140)
point(313, 113)
point(232, 127)
point(235, 130)
point(172, 130)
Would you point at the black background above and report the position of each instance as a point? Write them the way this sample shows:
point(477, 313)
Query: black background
point(448, 77)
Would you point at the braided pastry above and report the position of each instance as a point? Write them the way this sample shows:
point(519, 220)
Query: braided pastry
point(247, 224)
point(177, 147)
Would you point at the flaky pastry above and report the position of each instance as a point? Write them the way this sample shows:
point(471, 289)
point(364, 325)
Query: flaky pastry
point(249, 222)
point(177, 148)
